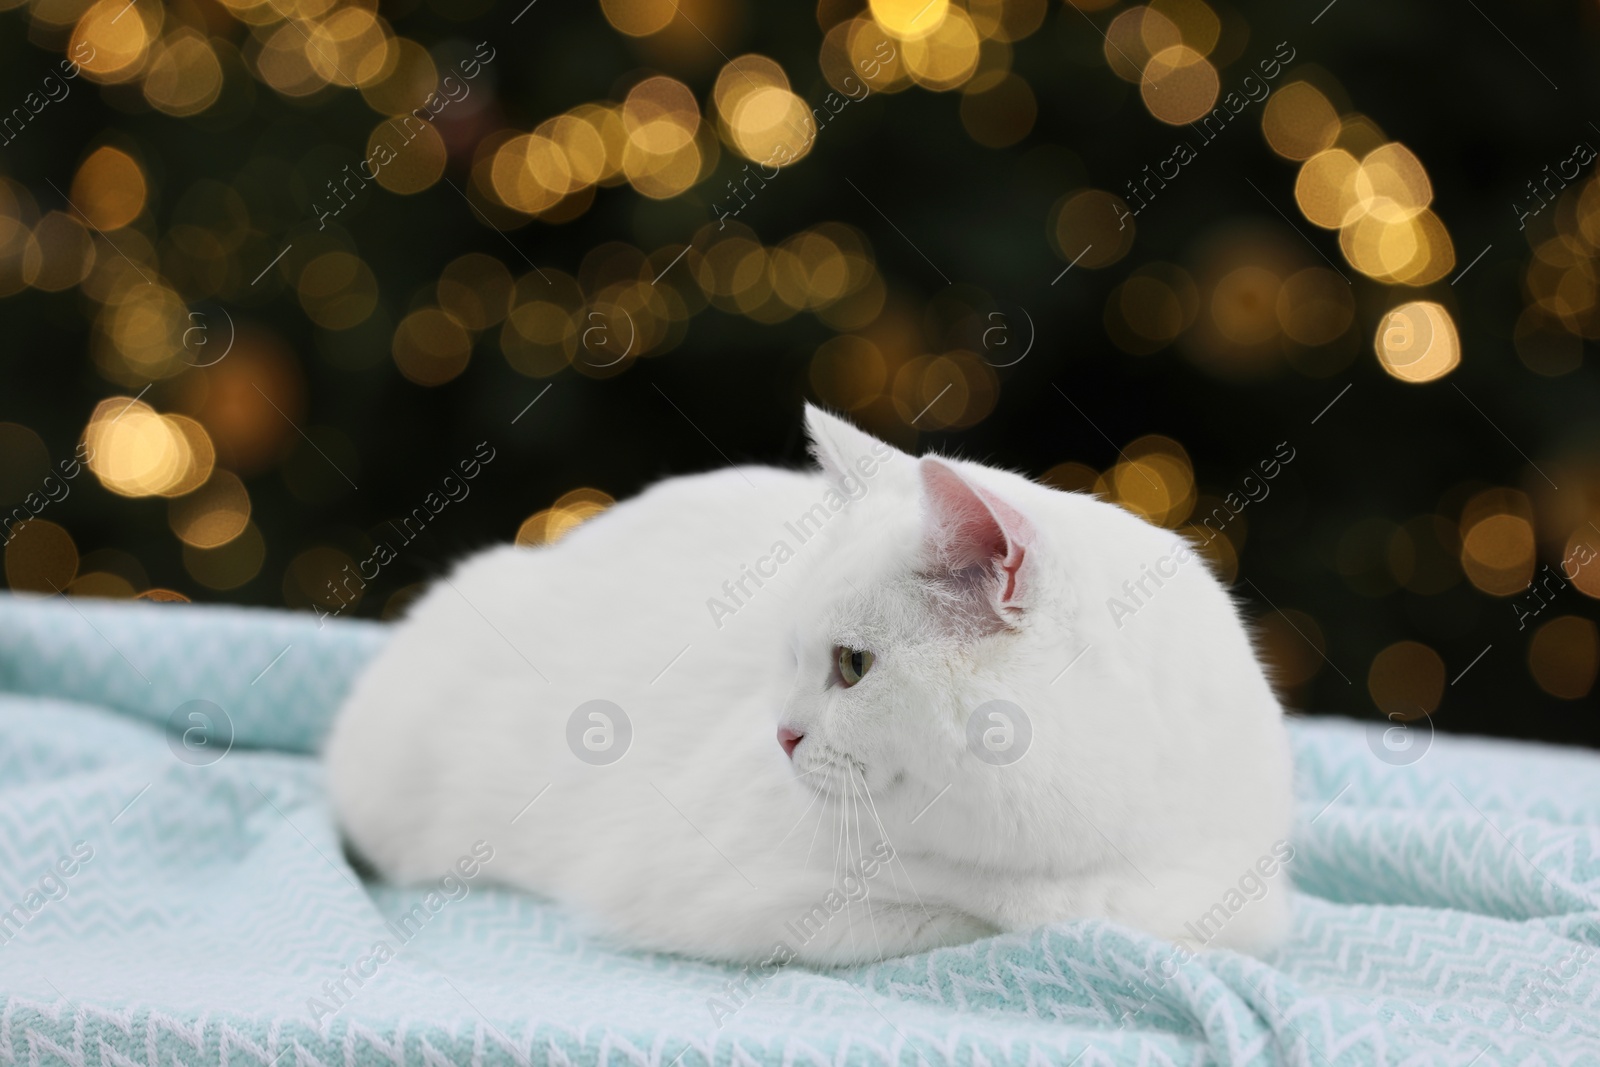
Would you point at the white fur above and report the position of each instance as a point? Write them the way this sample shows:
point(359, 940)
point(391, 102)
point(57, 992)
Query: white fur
point(1158, 770)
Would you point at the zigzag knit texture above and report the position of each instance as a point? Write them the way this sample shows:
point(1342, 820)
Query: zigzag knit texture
point(171, 912)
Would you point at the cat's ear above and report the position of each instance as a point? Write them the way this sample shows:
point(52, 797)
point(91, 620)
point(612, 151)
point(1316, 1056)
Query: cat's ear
point(977, 539)
point(843, 452)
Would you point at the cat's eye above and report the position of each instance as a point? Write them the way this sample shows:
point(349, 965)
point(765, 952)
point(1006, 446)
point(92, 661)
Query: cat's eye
point(853, 665)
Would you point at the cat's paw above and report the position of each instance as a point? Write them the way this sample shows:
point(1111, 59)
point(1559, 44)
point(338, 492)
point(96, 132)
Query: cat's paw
point(945, 927)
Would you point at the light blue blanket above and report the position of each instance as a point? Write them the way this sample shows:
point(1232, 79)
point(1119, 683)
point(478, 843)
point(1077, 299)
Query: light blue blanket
point(163, 906)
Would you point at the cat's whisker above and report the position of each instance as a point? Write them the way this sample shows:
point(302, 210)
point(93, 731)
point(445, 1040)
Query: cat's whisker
point(814, 796)
point(844, 860)
point(866, 898)
point(821, 814)
point(849, 866)
point(885, 832)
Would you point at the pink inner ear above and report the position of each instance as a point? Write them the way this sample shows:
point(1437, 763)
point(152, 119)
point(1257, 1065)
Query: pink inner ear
point(972, 527)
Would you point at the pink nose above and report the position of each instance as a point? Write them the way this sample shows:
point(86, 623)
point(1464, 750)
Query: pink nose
point(789, 737)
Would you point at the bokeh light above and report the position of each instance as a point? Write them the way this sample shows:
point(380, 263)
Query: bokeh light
point(1417, 342)
point(1563, 656)
point(1406, 680)
point(40, 557)
point(571, 510)
point(240, 329)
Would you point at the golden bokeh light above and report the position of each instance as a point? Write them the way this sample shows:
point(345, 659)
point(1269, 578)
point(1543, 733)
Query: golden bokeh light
point(1410, 251)
point(102, 584)
point(1135, 36)
point(1007, 20)
point(946, 57)
point(250, 402)
point(1417, 342)
point(744, 75)
point(1293, 647)
point(1299, 122)
point(1071, 477)
point(114, 48)
point(1220, 551)
point(1092, 228)
point(571, 510)
point(1392, 184)
point(109, 189)
point(1497, 553)
point(60, 253)
point(406, 160)
point(1406, 681)
point(213, 514)
point(351, 46)
point(848, 372)
point(1583, 570)
point(185, 75)
point(229, 565)
point(202, 455)
point(136, 452)
point(431, 346)
point(771, 125)
point(539, 338)
point(860, 50)
point(661, 156)
point(1326, 188)
point(283, 64)
point(1359, 135)
point(1564, 655)
point(953, 390)
point(1244, 305)
point(1155, 481)
point(1378, 202)
point(1179, 85)
point(40, 558)
point(1147, 312)
point(530, 173)
point(1196, 22)
point(639, 18)
point(910, 19)
point(411, 77)
point(660, 115)
point(139, 333)
point(582, 147)
point(123, 565)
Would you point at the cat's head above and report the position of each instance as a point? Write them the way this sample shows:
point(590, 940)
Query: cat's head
point(936, 629)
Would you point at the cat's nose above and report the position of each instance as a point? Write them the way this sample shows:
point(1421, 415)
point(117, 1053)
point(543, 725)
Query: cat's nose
point(789, 737)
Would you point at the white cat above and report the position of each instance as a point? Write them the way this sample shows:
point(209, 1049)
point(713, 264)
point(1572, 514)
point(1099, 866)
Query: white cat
point(895, 704)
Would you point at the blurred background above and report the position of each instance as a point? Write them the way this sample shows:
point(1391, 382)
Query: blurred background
point(303, 299)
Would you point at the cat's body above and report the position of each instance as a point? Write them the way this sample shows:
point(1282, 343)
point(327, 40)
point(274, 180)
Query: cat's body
point(1156, 771)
